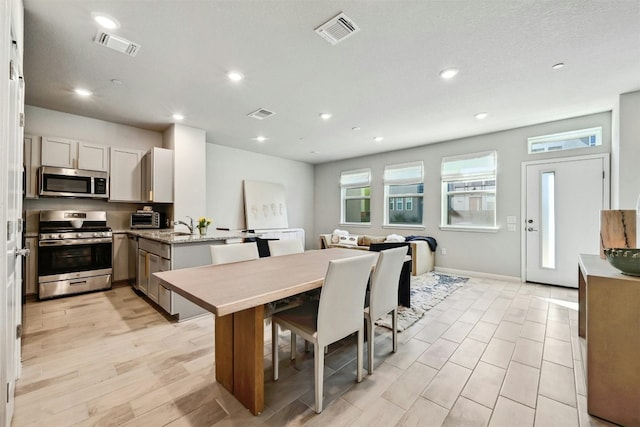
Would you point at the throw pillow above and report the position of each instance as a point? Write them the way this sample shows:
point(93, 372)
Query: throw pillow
point(368, 240)
point(350, 240)
point(335, 237)
point(394, 238)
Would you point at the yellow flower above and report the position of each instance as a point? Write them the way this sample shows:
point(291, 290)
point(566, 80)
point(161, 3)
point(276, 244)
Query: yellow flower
point(204, 222)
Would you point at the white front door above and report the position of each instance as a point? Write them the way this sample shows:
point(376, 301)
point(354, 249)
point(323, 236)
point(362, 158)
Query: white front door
point(11, 227)
point(563, 199)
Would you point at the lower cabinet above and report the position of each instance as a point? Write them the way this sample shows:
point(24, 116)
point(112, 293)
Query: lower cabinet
point(121, 257)
point(31, 266)
point(153, 257)
point(156, 265)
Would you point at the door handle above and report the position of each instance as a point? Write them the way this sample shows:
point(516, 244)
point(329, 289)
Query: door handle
point(531, 229)
point(23, 252)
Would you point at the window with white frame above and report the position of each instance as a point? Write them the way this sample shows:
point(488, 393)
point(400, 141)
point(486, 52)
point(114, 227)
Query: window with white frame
point(469, 190)
point(582, 138)
point(404, 192)
point(355, 196)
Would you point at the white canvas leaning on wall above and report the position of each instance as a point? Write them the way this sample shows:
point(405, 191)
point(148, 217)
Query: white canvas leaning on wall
point(265, 205)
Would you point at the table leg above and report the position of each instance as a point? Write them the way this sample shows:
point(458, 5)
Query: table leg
point(223, 337)
point(248, 358)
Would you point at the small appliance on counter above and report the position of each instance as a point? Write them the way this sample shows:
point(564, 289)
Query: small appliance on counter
point(147, 219)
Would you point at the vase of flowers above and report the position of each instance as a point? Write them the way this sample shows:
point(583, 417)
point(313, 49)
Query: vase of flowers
point(203, 224)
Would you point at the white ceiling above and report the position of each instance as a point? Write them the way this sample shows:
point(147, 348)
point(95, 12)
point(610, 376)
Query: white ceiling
point(383, 79)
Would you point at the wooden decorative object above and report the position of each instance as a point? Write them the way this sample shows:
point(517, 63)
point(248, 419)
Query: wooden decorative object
point(617, 229)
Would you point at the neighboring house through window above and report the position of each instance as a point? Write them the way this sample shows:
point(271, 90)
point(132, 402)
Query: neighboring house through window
point(403, 192)
point(582, 138)
point(469, 191)
point(356, 196)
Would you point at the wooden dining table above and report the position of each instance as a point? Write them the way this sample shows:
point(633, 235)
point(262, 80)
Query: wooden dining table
point(236, 294)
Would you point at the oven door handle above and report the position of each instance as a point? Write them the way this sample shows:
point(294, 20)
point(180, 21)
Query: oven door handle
point(74, 242)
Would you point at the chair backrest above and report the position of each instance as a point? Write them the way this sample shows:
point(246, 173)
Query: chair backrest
point(285, 247)
point(342, 297)
point(384, 281)
point(233, 252)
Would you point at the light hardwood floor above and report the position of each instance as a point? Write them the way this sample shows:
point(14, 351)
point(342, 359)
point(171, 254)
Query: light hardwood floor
point(494, 353)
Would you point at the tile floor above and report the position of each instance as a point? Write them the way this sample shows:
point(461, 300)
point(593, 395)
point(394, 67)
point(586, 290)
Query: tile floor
point(494, 353)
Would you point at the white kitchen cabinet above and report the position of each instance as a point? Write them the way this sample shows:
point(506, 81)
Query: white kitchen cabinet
point(31, 164)
point(125, 175)
point(157, 173)
point(120, 257)
point(93, 157)
point(31, 270)
point(68, 153)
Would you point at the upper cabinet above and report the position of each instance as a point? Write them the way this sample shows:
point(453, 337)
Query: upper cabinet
point(125, 175)
point(68, 153)
point(157, 173)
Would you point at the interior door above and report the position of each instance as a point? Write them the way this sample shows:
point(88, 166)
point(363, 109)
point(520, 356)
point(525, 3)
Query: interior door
point(563, 200)
point(12, 229)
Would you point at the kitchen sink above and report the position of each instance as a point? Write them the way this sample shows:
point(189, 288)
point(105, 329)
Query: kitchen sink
point(175, 233)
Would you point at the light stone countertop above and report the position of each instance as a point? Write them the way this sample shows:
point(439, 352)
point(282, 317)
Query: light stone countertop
point(173, 237)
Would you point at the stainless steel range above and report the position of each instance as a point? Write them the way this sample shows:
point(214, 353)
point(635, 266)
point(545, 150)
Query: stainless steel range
point(74, 253)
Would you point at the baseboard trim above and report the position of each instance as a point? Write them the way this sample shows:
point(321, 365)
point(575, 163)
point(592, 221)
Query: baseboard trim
point(477, 274)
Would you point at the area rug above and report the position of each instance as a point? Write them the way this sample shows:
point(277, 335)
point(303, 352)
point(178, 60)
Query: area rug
point(427, 290)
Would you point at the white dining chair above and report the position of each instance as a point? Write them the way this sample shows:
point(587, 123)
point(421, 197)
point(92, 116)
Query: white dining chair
point(336, 315)
point(285, 247)
point(383, 296)
point(233, 252)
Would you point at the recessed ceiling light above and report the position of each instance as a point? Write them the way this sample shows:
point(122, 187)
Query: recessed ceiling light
point(378, 138)
point(83, 92)
point(178, 116)
point(326, 116)
point(481, 116)
point(355, 128)
point(448, 73)
point(558, 65)
point(106, 22)
point(260, 138)
point(235, 76)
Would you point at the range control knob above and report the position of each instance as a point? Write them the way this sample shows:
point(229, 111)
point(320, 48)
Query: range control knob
point(60, 236)
point(78, 235)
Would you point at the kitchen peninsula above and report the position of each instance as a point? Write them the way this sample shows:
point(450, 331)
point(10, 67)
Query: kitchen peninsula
point(164, 250)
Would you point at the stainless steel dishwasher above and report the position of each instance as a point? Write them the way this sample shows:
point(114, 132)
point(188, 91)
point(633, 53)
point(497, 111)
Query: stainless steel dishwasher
point(133, 261)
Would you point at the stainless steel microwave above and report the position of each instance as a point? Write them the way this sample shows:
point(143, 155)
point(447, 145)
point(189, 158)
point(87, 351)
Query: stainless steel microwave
point(63, 182)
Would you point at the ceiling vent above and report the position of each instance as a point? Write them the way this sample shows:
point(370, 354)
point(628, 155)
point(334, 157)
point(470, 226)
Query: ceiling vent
point(261, 114)
point(337, 29)
point(117, 43)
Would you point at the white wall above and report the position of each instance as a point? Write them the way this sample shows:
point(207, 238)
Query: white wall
point(492, 253)
point(227, 168)
point(629, 151)
point(189, 187)
point(43, 122)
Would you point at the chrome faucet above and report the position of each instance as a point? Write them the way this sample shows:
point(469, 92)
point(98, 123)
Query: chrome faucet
point(189, 226)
